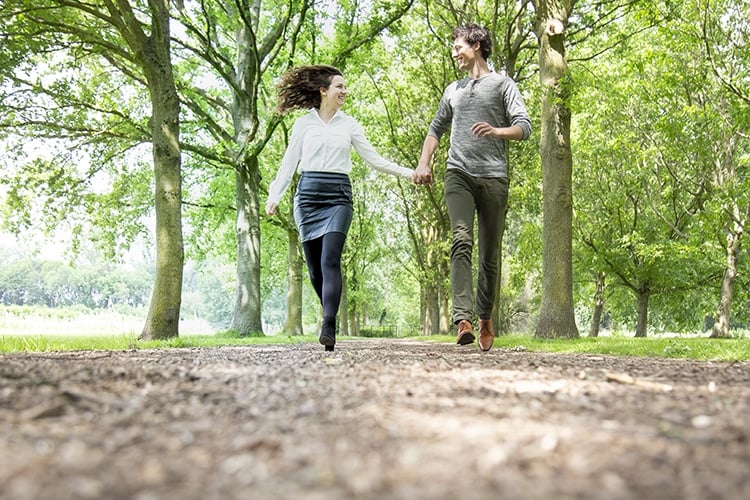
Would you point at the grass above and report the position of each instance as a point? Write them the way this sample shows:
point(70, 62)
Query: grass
point(50, 343)
point(702, 349)
point(698, 348)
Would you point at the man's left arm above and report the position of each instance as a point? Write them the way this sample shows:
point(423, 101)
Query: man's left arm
point(516, 112)
point(512, 133)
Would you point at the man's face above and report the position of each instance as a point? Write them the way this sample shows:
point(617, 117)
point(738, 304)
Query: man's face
point(464, 54)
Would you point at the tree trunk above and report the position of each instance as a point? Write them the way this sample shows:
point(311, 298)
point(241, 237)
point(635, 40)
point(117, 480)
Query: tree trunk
point(596, 318)
point(351, 307)
point(431, 310)
point(425, 316)
point(723, 313)
point(642, 327)
point(354, 322)
point(246, 320)
point(293, 322)
point(164, 310)
point(556, 318)
point(429, 245)
point(721, 323)
point(445, 322)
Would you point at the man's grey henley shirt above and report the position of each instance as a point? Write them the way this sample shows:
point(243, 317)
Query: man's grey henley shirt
point(494, 99)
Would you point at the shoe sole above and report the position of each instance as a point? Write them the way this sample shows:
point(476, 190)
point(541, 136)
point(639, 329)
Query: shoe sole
point(465, 338)
point(327, 341)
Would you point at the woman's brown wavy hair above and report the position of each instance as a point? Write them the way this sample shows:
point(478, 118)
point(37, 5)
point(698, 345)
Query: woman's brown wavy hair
point(300, 87)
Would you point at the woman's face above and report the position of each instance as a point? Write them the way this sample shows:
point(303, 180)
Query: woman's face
point(335, 94)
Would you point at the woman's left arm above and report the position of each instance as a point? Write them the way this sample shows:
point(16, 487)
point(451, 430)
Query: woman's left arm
point(372, 157)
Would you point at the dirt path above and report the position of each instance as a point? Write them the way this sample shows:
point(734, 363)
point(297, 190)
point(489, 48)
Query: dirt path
point(374, 420)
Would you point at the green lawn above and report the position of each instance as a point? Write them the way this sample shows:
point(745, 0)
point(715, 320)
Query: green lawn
point(694, 348)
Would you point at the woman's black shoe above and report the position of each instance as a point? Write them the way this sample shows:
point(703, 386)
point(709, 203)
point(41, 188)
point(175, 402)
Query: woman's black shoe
point(328, 334)
point(327, 340)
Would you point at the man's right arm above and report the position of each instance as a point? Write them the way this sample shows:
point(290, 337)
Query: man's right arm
point(423, 173)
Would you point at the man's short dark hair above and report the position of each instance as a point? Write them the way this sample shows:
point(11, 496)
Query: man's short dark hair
point(474, 33)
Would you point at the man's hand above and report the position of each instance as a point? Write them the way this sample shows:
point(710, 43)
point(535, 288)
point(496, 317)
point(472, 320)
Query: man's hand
point(422, 175)
point(271, 208)
point(483, 129)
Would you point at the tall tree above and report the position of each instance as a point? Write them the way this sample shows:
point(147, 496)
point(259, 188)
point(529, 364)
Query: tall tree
point(731, 178)
point(409, 94)
point(725, 35)
point(133, 37)
point(151, 47)
point(246, 44)
point(556, 317)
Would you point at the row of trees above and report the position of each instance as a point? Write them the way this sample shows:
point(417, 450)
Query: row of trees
point(29, 281)
point(32, 282)
point(647, 100)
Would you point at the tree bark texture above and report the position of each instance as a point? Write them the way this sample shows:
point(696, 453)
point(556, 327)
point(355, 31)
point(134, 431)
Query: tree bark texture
point(556, 318)
point(154, 55)
point(352, 308)
point(293, 322)
point(722, 322)
point(641, 328)
point(723, 312)
point(436, 310)
point(435, 303)
point(430, 309)
point(247, 319)
point(596, 317)
point(444, 312)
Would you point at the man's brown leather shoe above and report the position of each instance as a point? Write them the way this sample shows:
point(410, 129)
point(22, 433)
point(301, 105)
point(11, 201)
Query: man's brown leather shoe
point(465, 333)
point(486, 334)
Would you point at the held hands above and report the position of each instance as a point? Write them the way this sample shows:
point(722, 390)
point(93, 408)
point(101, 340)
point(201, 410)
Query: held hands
point(271, 208)
point(422, 175)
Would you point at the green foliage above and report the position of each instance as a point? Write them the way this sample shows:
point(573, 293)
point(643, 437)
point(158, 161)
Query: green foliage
point(48, 289)
point(29, 281)
point(71, 126)
point(659, 117)
point(645, 179)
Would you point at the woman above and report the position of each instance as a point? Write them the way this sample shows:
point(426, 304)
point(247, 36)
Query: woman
point(320, 148)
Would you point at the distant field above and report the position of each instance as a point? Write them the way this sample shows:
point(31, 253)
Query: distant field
point(100, 323)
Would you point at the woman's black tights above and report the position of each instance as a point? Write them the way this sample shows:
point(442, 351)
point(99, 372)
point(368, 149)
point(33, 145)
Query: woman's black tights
point(323, 257)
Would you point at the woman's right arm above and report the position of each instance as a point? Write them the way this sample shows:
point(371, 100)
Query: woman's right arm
point(289, 162)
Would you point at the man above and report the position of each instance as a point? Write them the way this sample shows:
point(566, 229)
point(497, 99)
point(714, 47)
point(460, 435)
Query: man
point(483, 111)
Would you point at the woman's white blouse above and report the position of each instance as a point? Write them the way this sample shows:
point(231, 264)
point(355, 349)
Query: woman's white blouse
point(316, 146)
